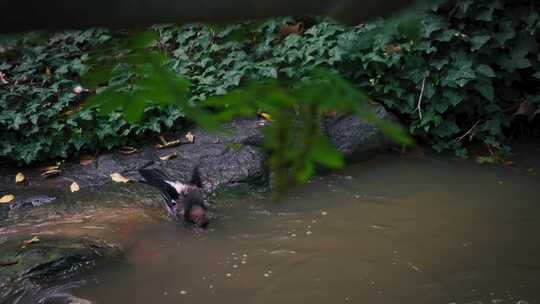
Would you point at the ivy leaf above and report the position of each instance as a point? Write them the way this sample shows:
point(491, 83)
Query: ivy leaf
point(479, 41)
point(485, 88)
point(485, 70)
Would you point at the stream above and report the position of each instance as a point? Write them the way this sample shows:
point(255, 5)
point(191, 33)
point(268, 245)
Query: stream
point(393, 229)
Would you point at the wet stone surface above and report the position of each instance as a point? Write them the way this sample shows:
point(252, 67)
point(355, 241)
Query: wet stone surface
point(230, 158)
point(47, 259)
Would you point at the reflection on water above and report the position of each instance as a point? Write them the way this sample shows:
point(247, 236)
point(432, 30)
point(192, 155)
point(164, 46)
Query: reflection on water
point(389, 230)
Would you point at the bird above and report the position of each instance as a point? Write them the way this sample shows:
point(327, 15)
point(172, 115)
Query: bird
point(183, 201)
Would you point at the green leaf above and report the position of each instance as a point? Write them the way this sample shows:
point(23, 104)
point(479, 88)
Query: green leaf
point(485, 70)
point(485, 88)
point(479, 41)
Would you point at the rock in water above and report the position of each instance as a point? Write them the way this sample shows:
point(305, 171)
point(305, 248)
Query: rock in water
point(44, 262)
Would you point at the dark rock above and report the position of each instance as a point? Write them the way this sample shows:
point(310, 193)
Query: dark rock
point(33, 201)
point(231, 157)
point(48, 260)
point(58, 294)
point(355, 138)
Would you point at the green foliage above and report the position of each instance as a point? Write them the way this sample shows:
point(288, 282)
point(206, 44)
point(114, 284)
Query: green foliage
point(41, 116)
point(474, 64)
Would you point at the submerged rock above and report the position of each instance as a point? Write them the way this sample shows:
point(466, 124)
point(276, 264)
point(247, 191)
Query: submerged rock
point(33, 294)
point(26, 266)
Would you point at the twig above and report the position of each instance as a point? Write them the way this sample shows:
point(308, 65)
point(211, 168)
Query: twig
point(419, 105)
point(468, 132)
point(11, 263)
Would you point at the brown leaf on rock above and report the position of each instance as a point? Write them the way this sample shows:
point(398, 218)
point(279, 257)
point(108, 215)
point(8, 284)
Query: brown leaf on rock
point(35, 239)
point(119, 178)
point(74, 187)
point(128, 150)
point(54, 167)
point(7, 198)
point(86, 161)
point(51, 173)
point(168, 144)
point(19, 178)
point(190, 138)
point(167, 157)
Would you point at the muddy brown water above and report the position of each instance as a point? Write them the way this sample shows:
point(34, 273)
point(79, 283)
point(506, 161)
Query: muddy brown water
point(389, 230)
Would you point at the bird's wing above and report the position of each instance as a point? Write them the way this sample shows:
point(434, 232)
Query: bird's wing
point(159, 180)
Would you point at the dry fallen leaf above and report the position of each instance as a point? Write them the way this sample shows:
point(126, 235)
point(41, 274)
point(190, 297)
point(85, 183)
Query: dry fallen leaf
point(51, 173)
point(119, 178)
point(7, 198)
point(74, 187)
point(168, 144)
point(55, 167)
point(19, 178)
point(190, 138)
point(35, 239)
point(86, 161)
point(167, 157)
point(127, 150)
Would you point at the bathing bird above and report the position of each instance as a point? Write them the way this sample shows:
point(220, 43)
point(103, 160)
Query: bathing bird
point(183, 201)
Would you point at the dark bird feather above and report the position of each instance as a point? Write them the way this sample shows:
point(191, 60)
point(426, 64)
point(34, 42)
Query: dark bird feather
point(183, 201)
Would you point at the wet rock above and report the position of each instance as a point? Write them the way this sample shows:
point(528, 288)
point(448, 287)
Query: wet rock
point(26, 267)
point(355, 138)
point(229, 158)
point(33, 294)
point(4, 211)
point(33, 201)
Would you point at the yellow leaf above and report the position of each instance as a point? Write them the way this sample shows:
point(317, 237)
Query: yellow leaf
point(55, 167)
point(35, 239)
point(74, 187)
point(266, 116)
point(19, 178)
point(51, 173)
point(117, 177)
point(190, 138)
point(168, 144)
point(167, 157)
point(127, 150)
point(7, 198)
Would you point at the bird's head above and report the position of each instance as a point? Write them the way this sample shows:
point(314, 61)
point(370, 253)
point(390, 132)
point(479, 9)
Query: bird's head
point(194, 209)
